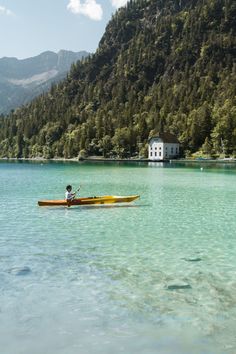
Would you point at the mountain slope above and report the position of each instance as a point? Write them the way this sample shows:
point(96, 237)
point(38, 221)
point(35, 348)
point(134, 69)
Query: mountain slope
point(21, 80)
point(161, 65)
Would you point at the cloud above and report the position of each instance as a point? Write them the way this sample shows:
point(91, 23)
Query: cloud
point(118, 3)
point(5, 11)
point(89, 8)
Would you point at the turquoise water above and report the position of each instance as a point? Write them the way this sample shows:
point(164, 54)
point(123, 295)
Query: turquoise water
point(155, 276)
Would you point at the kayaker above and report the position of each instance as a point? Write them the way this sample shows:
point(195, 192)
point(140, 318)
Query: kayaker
point(69, 196)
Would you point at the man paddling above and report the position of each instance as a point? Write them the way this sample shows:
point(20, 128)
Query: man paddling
point(69, 196)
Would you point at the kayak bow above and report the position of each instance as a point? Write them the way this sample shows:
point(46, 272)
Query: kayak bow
point(107, 199)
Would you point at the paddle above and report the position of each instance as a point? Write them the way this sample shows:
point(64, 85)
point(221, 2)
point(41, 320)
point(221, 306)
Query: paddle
point(77, 191)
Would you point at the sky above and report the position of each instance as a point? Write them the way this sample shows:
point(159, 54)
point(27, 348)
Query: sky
point(30, 27)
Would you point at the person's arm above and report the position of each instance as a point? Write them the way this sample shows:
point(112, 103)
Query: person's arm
point(71, 196)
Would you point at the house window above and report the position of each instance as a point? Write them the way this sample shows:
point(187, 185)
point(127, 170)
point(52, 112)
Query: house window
point(155, 153)
point(176, 150)
point(172, 150)
point(160, 153)
point(160, 148)
point(156, 148)
point(150, 153)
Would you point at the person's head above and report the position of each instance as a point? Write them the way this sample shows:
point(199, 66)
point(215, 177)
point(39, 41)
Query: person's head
point(69, 188)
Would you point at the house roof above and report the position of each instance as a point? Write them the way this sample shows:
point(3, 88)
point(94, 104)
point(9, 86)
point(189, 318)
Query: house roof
point(166, 138)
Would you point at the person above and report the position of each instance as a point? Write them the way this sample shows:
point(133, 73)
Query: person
point(69, 196)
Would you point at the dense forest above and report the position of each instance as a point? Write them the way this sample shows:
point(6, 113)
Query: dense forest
point(162, 65)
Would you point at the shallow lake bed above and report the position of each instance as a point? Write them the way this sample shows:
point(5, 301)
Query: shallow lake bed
point(155, 276)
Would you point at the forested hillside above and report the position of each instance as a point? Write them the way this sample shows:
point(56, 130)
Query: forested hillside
point(161, 65)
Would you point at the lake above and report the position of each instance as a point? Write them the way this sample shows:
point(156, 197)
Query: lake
point(154, 276)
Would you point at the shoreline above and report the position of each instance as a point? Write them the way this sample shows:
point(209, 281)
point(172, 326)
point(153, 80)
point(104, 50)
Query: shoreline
point(233, 161)
point(102, 159)
point(76, 159)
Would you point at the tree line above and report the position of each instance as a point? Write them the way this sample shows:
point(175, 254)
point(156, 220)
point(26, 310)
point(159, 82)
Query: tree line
point(161, 65)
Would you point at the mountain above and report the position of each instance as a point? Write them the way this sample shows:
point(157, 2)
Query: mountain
point(22, 80)
point(161, 65)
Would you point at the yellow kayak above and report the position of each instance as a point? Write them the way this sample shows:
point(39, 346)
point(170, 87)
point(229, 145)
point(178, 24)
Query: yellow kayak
point(107, 199)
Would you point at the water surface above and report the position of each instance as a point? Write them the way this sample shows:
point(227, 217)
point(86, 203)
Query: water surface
point(155, 276)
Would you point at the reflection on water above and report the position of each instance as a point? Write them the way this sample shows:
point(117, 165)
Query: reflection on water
point(157, 164)
point(94, 206)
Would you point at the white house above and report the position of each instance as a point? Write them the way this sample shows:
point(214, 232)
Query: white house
point(164, 146)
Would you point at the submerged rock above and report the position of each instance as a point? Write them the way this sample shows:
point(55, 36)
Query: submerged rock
point(20, 270)
point(197, 259)
point(179, 287)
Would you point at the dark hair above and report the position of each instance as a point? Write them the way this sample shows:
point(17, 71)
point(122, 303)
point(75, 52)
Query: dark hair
point(68, 187)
